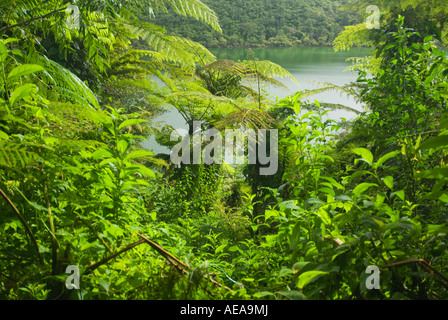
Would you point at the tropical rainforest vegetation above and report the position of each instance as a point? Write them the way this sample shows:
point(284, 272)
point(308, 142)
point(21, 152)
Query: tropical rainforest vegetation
point(78, 98)
point(281, 23)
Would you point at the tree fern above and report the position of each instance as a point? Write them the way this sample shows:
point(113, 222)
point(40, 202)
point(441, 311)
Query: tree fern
point(67, 84)
point(192, 8)
point(172, 48)
point(267, 70)
point(352, 36)
point(243, 78)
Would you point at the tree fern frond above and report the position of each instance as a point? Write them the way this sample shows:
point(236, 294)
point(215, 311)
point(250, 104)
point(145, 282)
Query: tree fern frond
point(74, 114)
point(198, 97)
point(330, 106)
point(348, 89)
point(68, 84)
point(172, 48)
point(254, 79)
point(21, 3)
point(191, 8)
point(368, 64)
point(267, 69)
point(246, 117)
point(66, 144)
point(351, 36)
point(134, 56)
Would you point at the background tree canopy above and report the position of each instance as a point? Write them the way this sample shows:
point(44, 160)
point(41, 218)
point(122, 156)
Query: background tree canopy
point(278, 23)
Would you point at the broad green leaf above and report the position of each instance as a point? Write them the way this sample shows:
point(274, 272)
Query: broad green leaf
point(37, 206)
point(378, 222)
point(325, 157)
point(220, 248)
point(443, 197)
point(263, 294)
point(122, 145)
point(285, 271)
point(102, 283)
point(437, 228)
point(145, 171)
point(292, 295)
point(363, 187)
point(307, 277)
point(9, 40)
point(289, 204)
point(313, 201)
point(3, 135)
point(22, 92)
point(130, 122)
point(100, 153)
point(444, 123)
point(380, 199)
point(386, 157)
point(400, 194)
point(299, 265)
point(437, 194)
point(3, 52)
point(270, 213)
point(139, 154)
point(389, 182)
point(365, 154)
point(343, 197)
point(360, 173)
point(295, 236)
point(24, 70)
point(435, 142)
point(327, 190)
point(435, 173)
point(333, 182)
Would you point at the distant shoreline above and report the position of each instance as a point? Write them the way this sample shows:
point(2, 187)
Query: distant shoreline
point(263, 46)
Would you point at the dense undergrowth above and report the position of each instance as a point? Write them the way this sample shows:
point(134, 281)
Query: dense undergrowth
point(78, 189)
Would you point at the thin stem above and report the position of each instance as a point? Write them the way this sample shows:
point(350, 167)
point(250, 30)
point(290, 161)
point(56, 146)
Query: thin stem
point(94, 266)
point(2, 30)
point(54, 243)
point(95, 233)
point(23, 221)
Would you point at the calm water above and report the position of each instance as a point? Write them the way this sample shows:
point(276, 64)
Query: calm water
point(307, 64)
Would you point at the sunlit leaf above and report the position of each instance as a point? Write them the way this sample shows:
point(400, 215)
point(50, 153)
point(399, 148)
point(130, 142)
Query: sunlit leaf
point(359, 189)
point(365, 154)
point(306, 277)
point(24, 70)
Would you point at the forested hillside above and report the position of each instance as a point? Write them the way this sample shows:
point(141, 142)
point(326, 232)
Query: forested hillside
point(258, 198)
point(276, 23)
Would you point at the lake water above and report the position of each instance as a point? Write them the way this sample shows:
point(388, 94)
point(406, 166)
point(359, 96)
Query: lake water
point(307, 64)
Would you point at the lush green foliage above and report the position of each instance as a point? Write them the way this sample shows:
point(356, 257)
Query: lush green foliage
point(77, 188)
point(255, 23)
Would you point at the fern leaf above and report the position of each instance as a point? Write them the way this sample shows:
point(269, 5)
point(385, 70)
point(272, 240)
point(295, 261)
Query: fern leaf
point(351, 36)
point(68, 84)
point(191, 8)
point(16, 155)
